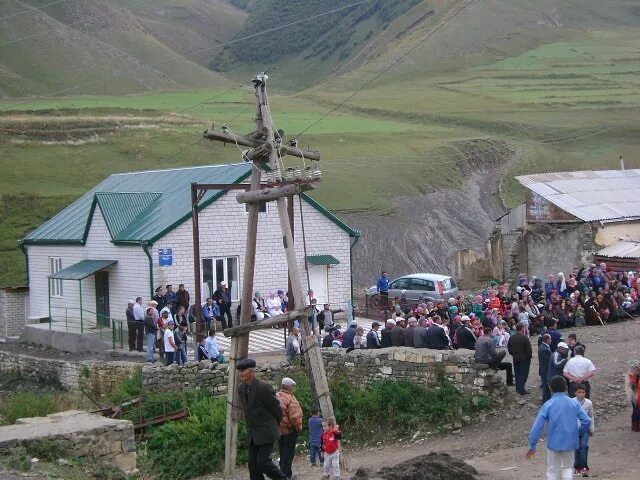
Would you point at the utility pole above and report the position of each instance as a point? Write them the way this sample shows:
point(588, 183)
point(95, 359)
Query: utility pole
point(265, 157)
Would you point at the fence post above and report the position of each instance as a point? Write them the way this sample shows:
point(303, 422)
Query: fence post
point(113, 334)
point(366, 305)
point(121, 346)
point(66, 318)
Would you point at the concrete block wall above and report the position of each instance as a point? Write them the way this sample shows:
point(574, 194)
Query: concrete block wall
point(14, 311)
point(553, 248)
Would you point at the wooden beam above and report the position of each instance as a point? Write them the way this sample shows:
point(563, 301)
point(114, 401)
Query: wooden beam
point(256, 142)
point(270, 194)
point(267, 323)
point(222, 186)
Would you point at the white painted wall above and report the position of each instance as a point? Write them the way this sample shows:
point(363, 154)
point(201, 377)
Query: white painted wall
point(223, 233)
point(128, 278)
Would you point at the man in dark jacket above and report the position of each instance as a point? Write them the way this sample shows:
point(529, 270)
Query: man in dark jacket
point(183, 297)
point(373, 341)
point(397, 334)
point(420, 334)
point(409, 332)
point(385, 335)
point(347, 338)
point(222, 296)
point(437, 338)
point(159, 298)
point(544, 354)
point(263, 415)
point(556, 335)
point(465, 337)
point(519, 346)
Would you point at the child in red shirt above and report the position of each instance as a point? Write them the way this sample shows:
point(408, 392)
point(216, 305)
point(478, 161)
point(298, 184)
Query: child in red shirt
point(331, 448)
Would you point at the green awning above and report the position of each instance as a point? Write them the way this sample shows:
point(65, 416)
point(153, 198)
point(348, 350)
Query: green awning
point(82, 269)
point(322, 260)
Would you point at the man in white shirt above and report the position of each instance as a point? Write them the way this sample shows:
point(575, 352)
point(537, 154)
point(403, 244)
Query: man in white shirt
point(212, 349)
point(579, 370)
point(138, 315)
point(169, 343)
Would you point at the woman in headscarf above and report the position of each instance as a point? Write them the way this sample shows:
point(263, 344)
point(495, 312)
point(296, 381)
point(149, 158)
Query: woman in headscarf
point(632, 387)
point(561, 285)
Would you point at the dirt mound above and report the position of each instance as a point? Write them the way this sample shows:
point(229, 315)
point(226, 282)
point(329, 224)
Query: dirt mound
point(434, 466)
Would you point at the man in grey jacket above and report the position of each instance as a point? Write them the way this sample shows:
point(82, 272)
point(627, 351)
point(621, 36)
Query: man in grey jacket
point(486, 353)
point(420, 334)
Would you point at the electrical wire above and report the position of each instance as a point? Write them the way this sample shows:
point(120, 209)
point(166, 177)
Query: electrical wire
point(189, 54)
point(64, 25)
point(443, 23)
point(31, 9)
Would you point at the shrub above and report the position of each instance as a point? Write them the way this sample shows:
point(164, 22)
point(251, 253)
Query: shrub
point(47, 450)
point(28, 404)
point(199, 439)
point(131, 387)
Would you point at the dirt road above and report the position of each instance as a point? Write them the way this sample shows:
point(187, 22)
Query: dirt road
point(496, 447)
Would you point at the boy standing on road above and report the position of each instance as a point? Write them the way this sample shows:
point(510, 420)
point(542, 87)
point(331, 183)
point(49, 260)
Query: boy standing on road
point(315, 436)
point(563, 415)
point(581, 465)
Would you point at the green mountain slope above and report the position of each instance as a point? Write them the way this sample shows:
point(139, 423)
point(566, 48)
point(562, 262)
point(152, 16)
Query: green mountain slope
point(111, 36)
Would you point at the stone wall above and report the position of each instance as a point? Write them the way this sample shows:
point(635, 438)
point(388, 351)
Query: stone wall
point(13, 310)
point(361, 367)
point(79, 433)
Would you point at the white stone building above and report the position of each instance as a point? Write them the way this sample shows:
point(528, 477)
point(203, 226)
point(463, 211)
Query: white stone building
point(133, 232)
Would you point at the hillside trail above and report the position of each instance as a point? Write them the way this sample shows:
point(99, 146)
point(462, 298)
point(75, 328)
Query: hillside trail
point(495, 444)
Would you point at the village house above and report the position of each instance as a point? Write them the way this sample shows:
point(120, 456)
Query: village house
point(133, 232)
point(567, 218)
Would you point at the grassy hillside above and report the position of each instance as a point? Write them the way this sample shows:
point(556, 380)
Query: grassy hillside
point(107, 37)
point(544, 86)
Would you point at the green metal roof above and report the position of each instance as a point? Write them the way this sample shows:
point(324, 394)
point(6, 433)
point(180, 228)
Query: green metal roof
point(141, 207)
point(322, 260)
point(82, 269)
point(162, 202)
point(120, 210)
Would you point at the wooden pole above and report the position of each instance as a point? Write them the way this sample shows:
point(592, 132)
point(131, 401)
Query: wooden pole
point(197, 281)
point(313, 358)
point(240, 344)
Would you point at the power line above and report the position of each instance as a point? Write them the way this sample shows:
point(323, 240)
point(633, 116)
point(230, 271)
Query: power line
point(31, 9)
point(63, 25)
point(191, 53)
point(389, 67)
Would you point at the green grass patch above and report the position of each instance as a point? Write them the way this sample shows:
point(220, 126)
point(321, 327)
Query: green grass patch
point(28, 404)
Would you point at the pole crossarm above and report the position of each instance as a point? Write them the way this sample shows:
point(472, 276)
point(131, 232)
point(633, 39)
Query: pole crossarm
point(267, 323)
point(270, 194)
point(257, 142)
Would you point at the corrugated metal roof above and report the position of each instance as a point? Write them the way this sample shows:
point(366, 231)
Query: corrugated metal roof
point(171, 208)
point(143, 206)
point(122, 209)
point(82, 269)
point(322, 260)
point(601, 195)
point(621, 249)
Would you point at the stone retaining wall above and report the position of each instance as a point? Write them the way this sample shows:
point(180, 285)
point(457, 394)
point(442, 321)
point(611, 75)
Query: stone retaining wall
point(79, 433)
point(360, 367)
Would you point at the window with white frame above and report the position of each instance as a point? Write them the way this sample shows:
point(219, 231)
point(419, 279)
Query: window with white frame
point(216, 270)
point(55, 265)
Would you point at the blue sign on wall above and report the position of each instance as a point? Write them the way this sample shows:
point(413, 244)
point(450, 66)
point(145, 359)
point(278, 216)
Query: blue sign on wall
point(165, 257)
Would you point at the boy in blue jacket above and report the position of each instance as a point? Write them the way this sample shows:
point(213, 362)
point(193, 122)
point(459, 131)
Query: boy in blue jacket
point(315, 436)
point(565, 418)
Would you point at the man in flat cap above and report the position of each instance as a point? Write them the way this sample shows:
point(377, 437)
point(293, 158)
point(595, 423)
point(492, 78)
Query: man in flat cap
point(263, 415)
point(290, 425)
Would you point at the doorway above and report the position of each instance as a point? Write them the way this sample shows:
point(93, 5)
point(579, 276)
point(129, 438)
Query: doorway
point(318, 279)
point(102, 298)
